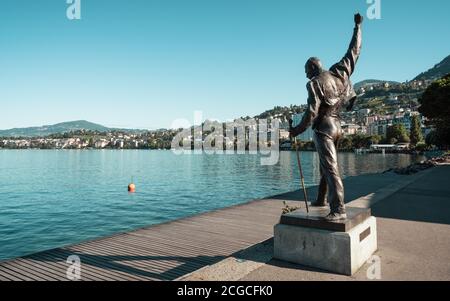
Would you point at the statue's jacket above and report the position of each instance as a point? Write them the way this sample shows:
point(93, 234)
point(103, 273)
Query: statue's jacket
point(329, 91)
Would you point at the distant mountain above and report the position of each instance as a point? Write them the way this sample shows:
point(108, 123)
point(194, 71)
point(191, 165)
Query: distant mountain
point(438, 71)
point(372, 82)
point(59, 128)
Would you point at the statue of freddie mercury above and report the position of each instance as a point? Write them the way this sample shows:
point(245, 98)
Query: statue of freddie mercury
point(328, 92)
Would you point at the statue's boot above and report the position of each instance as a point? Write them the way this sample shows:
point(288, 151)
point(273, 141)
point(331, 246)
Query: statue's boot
point(335, 216)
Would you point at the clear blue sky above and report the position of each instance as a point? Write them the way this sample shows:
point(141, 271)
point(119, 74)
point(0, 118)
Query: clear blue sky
point(143, 63)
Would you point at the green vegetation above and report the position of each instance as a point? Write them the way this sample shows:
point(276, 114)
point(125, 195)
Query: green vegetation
point(415, 134)
point(281, 112)
point(438, 71)
point(81, 139)
point(358, 141)
point(421, 147)
point(435, 105)
point(379, 99)
point(397, 134)
point(347, 143)
point(47, 130)
point(288, 209)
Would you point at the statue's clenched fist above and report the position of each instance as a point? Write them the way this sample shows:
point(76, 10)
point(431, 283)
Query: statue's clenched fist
point(358, 19)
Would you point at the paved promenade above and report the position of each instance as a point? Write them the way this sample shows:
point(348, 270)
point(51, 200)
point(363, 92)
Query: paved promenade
point(413, 236)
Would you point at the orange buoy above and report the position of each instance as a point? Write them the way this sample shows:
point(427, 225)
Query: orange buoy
point(132, 188)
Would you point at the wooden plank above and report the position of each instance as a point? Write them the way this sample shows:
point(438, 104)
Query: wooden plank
point(98, 270)
point(4, 274)
point(160, 252)
point(37, 270)
point(202, 228)
point(53, 259)
point(14, 271)
point(119, 251)
point(125, 256)
point(188, 245)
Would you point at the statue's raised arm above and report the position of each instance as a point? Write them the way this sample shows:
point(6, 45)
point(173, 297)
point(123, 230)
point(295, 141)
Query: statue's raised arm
point(346, 66)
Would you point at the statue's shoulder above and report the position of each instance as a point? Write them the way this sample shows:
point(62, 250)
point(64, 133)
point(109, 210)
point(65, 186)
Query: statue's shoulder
point(321, 79)
point(324, 76)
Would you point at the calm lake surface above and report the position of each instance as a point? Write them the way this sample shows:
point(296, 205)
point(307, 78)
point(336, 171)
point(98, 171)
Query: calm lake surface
point(51, 198)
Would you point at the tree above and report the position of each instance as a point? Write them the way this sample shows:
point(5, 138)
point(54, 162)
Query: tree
point(345, 143)
point(438, 138)
point(397, 133)
point(435, 105)
point(359, 141)
point(421, 147)
point(375, 139)
point(415, 134)
point(430, 139)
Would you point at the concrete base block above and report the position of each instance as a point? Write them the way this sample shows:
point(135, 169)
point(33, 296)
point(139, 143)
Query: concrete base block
point(339, 252)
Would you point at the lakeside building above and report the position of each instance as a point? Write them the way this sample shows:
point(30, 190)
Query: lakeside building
point(353, 129)
point(102, 143)
point(379, 125)
point(396, 147)
point(284, 134)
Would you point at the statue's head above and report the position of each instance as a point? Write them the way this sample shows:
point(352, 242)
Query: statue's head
point(313, 67)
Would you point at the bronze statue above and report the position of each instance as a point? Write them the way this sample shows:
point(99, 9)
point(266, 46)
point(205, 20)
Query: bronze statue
point(328, 92)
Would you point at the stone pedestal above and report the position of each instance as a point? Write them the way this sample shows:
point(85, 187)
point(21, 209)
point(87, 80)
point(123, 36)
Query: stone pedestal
point(341, 247)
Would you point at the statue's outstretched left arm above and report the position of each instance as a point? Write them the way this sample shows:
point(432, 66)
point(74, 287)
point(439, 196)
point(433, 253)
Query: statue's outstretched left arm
point(346, 66)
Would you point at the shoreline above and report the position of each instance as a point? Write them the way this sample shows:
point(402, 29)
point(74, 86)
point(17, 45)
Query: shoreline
point(414, 153)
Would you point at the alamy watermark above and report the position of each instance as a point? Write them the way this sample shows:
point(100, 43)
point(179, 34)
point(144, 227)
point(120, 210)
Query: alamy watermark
point(374, 9)
point(73, 272)
point(239, 136)
point(73, 11)
point(374, 270)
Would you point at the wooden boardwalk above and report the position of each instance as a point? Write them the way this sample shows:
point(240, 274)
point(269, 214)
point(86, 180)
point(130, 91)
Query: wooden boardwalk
point(162, 252)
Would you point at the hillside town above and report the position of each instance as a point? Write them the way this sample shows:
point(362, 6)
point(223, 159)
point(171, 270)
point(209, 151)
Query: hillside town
point(380, 106)
point(85, 139)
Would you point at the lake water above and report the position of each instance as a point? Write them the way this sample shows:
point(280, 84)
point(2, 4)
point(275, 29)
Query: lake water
point(51, 198)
